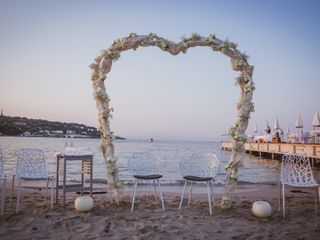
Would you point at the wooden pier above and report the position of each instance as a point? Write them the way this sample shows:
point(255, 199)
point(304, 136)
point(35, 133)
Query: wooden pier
point(276, 150)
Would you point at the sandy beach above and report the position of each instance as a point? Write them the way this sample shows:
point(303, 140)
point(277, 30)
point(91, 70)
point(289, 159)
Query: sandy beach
point(110, 221)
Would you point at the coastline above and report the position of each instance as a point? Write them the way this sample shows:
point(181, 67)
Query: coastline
point(77, 137)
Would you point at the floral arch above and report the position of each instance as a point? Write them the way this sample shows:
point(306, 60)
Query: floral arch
point(103, 64)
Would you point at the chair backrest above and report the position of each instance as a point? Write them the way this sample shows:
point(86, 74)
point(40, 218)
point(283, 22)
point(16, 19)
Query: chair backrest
point(145, 163)
point(296, 170)
point(200, 165)
point(68, 141)
point(1, 165)
point(31, 164)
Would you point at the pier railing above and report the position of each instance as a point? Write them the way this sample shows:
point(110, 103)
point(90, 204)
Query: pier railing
point(310, 150)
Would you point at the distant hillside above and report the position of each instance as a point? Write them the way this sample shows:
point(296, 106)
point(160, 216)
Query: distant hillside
point(22, 126)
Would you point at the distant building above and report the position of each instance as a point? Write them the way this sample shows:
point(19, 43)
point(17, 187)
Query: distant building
point(57, 132)
point(26, 134)
point(20, 123)
point(70, 132)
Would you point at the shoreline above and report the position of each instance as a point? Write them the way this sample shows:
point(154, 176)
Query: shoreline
point(165, 186)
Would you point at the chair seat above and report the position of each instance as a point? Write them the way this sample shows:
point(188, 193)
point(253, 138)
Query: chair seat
point(32, 178)
point(148, 177)
point(302, 184)
point(197, 179)
point(25, 176)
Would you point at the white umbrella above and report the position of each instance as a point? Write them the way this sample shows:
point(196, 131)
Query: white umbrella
point(299, 122)
point(288, 133)
point(267, 129)
point(315, 120)
point(276, 124)
point(315, 123)
point(255, 128)
point(276, 127)
point(299, 126)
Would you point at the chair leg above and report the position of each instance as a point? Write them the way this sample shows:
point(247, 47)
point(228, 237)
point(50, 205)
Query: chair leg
point(190, 193)
point(52, 192)
point(46, 192)
point(18, 196)
point(12, 187)
point(3, 197)
point(283, 201)
point(154, 188)
point(132, 189)
point(213, 199)
point(184, 188)
point(319, 194)
point(161, 197)
point(279, 195)
point(134, 194)
point(209, 199)
point(316, 202)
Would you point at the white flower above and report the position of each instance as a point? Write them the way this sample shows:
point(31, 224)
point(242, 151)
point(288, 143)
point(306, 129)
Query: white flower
point(164, 45)
point(93, 66)
point(132, 35)
point(195, 36)
point(152, 35)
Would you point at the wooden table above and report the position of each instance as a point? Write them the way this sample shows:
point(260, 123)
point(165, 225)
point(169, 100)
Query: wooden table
point(86, 169)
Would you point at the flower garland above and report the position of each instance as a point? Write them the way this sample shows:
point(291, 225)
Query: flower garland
point(239, 61)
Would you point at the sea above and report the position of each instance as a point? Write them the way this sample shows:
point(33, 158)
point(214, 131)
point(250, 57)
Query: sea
point(255, 170)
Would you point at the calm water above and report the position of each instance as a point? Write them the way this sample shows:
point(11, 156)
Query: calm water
point(255, 170)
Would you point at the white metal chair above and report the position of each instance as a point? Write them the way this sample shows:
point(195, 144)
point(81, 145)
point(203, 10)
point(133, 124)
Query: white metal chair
point(144, 166)
point(200, 168)
point(296, 171)
point(3, 178)
point(31, 165)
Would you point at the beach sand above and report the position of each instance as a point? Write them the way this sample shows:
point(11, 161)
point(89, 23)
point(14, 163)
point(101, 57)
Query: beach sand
point(110, 221)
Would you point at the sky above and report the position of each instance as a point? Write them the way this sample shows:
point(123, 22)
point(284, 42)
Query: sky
point(47, 46)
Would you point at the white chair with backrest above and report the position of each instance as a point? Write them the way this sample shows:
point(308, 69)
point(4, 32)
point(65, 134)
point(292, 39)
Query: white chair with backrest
point(296, 171)
point(144, 166)
point(200, 168)
point(31, 166)
point(3, 179)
